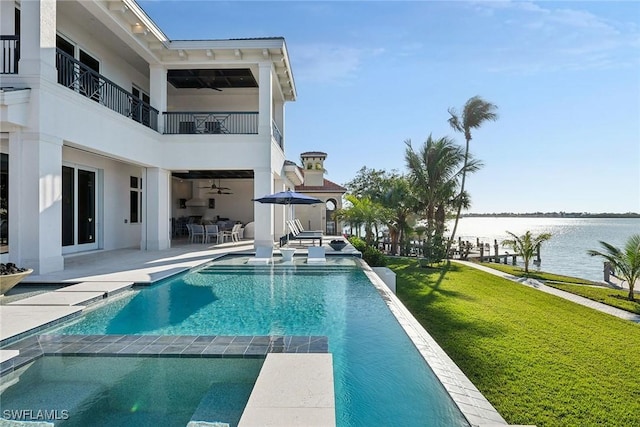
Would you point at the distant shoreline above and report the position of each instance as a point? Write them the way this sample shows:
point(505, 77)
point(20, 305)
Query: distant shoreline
point(553, 215)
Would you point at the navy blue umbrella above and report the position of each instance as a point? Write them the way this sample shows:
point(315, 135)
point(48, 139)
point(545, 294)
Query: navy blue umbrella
point(288, 198)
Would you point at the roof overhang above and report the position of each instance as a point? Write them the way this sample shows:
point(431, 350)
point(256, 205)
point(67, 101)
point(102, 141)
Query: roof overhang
point(293, 174)
point(131, 24)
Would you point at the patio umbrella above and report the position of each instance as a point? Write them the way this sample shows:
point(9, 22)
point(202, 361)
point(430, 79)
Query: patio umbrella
point(288, 198)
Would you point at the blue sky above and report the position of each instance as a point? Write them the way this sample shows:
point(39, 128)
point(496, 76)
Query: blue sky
point(370, 75)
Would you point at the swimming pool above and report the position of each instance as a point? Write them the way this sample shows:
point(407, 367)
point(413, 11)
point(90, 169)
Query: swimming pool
point(380, 378)
point(130, 391)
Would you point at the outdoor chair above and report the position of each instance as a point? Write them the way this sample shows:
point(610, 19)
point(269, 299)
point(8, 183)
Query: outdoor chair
point(316, 255)
point(188, 226)
point(301, 228)
point(211, 230)
point(264, 255)
point(197, 230)
point(233, 234)
point(296, 234)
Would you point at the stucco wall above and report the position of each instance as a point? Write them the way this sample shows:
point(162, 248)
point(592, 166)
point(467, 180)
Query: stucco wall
point(115, 206)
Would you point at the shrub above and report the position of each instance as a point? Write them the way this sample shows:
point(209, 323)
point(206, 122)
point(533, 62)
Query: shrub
point(371, 255)
point(374, 257)
point(358, 243)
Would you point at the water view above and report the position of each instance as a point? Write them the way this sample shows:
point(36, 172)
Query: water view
point(566, 252)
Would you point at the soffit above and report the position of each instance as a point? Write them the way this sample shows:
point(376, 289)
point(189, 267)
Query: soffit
point(128, 21)
point(213, 174)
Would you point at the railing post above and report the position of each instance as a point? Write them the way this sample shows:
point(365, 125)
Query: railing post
point(10, 54)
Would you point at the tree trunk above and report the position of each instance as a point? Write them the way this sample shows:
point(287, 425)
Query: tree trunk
point(464, 176)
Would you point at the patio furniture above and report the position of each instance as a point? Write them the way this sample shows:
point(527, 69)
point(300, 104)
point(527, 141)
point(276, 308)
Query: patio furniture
point(197, 230)
point(295, 234)
point(264, 255)
point(316, 255)
point(301, 228)
point(233, 234)
point(211, 230)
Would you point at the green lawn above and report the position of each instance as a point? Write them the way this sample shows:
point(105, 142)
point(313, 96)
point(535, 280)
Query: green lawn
point(539, 359)
point(613, 297)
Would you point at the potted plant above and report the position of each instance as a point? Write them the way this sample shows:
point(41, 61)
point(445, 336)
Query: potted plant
point(10, 275)
point(337, 244)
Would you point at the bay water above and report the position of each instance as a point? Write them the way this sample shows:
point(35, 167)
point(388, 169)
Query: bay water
point(566, 252)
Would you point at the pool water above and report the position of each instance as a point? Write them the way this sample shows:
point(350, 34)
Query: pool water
point(380, 378)
point(130, 391)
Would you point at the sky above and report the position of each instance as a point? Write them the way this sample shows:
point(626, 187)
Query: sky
point(372, 74)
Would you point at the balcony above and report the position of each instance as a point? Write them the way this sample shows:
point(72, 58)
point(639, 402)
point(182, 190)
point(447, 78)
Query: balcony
point(218, 122)
point(10, 54)
point(209, 122)
point(80, 78)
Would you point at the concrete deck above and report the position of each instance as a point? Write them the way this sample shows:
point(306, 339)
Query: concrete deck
point(292, 390)
point(60, 298)
point(108, 288)
point(16, 319)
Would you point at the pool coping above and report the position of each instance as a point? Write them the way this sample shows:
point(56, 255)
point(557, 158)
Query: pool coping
point(177, 346)
point(474, 406)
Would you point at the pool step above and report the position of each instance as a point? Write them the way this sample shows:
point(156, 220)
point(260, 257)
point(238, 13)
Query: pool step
point(274, 269)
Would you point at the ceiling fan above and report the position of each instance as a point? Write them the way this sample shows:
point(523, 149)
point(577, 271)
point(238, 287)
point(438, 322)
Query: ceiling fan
point(217, 189)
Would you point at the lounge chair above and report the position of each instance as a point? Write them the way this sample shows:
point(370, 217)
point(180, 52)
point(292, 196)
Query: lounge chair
point(316, 255)
point(264, 255)
point(296, 234)
point(301, 228)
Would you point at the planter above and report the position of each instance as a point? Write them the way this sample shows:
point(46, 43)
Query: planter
point(8, 281)
point(338, 245)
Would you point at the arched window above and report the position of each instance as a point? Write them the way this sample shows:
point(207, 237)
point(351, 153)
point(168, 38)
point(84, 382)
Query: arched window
point(330, 207)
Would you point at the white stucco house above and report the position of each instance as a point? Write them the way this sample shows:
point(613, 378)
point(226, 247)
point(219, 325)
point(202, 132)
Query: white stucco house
point(109, 131)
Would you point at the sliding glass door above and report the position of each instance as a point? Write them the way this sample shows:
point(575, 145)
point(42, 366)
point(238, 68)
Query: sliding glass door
point(79, 209)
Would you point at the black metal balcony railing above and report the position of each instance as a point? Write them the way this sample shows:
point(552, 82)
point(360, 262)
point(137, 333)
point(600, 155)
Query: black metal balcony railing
point(210, 122)
point(10, 54)
point(277, 135)
point(87, 82)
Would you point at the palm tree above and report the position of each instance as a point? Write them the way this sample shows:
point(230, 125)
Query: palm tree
point(625, 261)
point(436, 169)
point(474, 113)
point(362, 211)
point(526, 245)
point(399, 200)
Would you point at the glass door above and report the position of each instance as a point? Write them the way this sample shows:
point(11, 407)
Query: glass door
point(78, 209)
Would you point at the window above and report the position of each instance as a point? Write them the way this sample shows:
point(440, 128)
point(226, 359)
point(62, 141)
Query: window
point(139, 111)
point(135, 200)
point(4, 203)
point(84, 78)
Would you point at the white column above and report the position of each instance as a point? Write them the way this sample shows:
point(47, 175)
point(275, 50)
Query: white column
point(265, 97)
point(7, 18)
point(158, 92)
point(279, 214)
point(262, 212)
point(35, 207)
point(157, 220)
point(278, 116)
point(38, 39)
